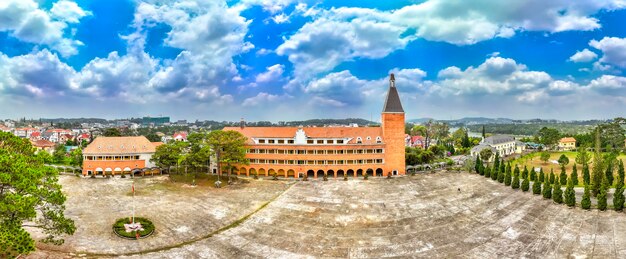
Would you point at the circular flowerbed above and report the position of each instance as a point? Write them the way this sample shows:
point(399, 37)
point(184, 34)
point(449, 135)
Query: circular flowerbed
point(124, 229)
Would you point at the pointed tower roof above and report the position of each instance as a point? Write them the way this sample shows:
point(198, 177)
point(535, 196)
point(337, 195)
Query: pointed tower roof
point(392, 103)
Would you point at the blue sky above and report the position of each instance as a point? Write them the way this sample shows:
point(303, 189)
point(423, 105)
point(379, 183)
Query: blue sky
point(291, 60)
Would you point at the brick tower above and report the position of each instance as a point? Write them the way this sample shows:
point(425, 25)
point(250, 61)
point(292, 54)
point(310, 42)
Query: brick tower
point(393, 130)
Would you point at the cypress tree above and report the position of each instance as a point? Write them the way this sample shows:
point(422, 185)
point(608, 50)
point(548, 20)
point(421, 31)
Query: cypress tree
point(574, 175)
point(557, 193)
point(507, 176)
point(481, 169)
point(477, 164)
point(488, 172)
point(533, 174)
point(525, 173)
point(496, 162)
point(494, 173)
point(542, 176)
point(536, 187)
point(547, 189)
point(609, 172)
point(620, 173)
point(585, 203)
point(618, 198)
point(570, 194)
point(586, 176)
point(525, 185)
point(601, 197)
point(563, 176)
point(552, 176)
point(501, 174)
point(597, 172)
point(502, 168)
point(515, 183)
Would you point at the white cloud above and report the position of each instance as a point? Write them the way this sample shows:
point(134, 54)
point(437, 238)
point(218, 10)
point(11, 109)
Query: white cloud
point(24, 20)
point(613, 50)
point(584, 55)
point(609, 85)
point(68, 11)
point(273, 73)
point(272, 6)
point(280, 18)
point(263, 98)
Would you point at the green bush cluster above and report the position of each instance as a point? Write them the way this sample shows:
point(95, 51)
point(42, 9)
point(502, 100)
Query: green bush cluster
point(146, 224)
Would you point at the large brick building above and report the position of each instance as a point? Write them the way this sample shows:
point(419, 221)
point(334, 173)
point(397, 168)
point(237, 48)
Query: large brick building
point(335, 151)
point(117, 155)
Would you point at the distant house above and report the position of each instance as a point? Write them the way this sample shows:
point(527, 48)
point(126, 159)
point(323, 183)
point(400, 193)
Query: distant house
point(180, 136)
point(414, 141)
point(56, 135)
point(81, 137)
point(4, 128)
point(35, 136)
point(114, 155)
point(24, 132)
point(43, 145)
point(502, 144)
point(567, 144)
point(475, 151)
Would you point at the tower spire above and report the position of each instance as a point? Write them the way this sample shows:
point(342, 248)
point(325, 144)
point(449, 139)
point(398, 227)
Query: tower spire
point(392, 103)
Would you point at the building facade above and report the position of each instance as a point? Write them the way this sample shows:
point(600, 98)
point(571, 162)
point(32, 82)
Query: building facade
point(500, 144)
point(332, 151)
point(117, 155)
point(567, 144)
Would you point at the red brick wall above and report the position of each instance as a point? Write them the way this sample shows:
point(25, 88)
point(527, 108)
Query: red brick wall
point(91, 165)
point(393, 132)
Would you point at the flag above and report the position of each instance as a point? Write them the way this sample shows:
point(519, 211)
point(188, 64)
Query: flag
point(133, 188)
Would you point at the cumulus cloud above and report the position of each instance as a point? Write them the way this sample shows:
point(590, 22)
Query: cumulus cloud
point(273, 73)
point(26, 21)
point(39, 74)
point(609, 84)
point(613, 50)
point(584, 55)
point(264, 98)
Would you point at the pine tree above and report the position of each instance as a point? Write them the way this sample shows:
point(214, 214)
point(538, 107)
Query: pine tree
point(547, 189)
point(507, 176)
point(598, 170)
point(552, 176)
point(494, 173)
point(574, 175)
point(525, 173)
point(620, 173)
point(536, 187)
point(501, 174)
point(586, 175)
point(585, 203)
point(602, 196)
point(496, 162)
point(557, 193)
point(563, 176)
point(609, 172)
point(525, 185)
point(488, 172)
point(533, 174)
point(481, 169)
point(515, 183)
point(542, 176)
point(570, 194)
point(477, 164)
point(618, 198)
point(502, 167)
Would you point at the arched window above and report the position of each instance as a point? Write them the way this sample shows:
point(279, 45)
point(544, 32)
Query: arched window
point(379, 140)
point(359, 140)
point(368, 138)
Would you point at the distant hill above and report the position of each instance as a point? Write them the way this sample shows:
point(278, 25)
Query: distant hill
point(467, 121)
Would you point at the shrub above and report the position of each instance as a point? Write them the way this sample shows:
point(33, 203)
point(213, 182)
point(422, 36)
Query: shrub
point(515, 183)
point(533, 175)
point(563, 176)
point(536, 187)
point(487, 172)
point(602, 199)
point(542, 176)
point(570, 194)
point(507, 178)
point(574, 175)
point(585, 203)
point(586, 176)
point(547, 190)
point(552, 176)
point(365, 176)
point(618, 198)
point(146, 224)
point(525, 185)
point(557, 193)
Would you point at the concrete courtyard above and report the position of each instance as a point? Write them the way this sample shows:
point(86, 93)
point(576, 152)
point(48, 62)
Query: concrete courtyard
point(414, 216)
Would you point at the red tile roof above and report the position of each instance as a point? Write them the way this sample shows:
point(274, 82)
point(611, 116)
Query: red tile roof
point(566, 140)
point(42, 143)
point(119, 145)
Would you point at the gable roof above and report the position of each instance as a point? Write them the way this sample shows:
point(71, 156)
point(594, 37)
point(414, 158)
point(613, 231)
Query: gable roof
point(120, 145)
point(498, 139)
point(312, 132)
point(392, 103)
point(567, 140)
point(42, 143)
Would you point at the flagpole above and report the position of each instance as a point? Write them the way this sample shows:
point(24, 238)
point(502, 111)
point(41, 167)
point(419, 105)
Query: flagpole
point(133, 201)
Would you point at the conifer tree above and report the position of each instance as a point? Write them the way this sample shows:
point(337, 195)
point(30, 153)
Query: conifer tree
point(502, 168)
point(507, 176)
point(586, 176)
point(552, 176)
point(609, 172)
point(574, 175)
point(598, 169)
point(515, 183)
point(487, 172)
point(536, 187)
point(620, 173)
point(563, 176)
point(602, 194)
point(570, 194)
point(496, 162)
point(557, 193)
point(533, 174)
point(525, 173)
point(547, 189)
point(494, 173)
point(542, 176)
point(501, 174)
point(618, 198)
point(481, 169)
point(585, 203)
point(525, 185)
point(477, 164)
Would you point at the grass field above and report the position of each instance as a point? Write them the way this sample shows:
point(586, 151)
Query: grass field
point(533, 161)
